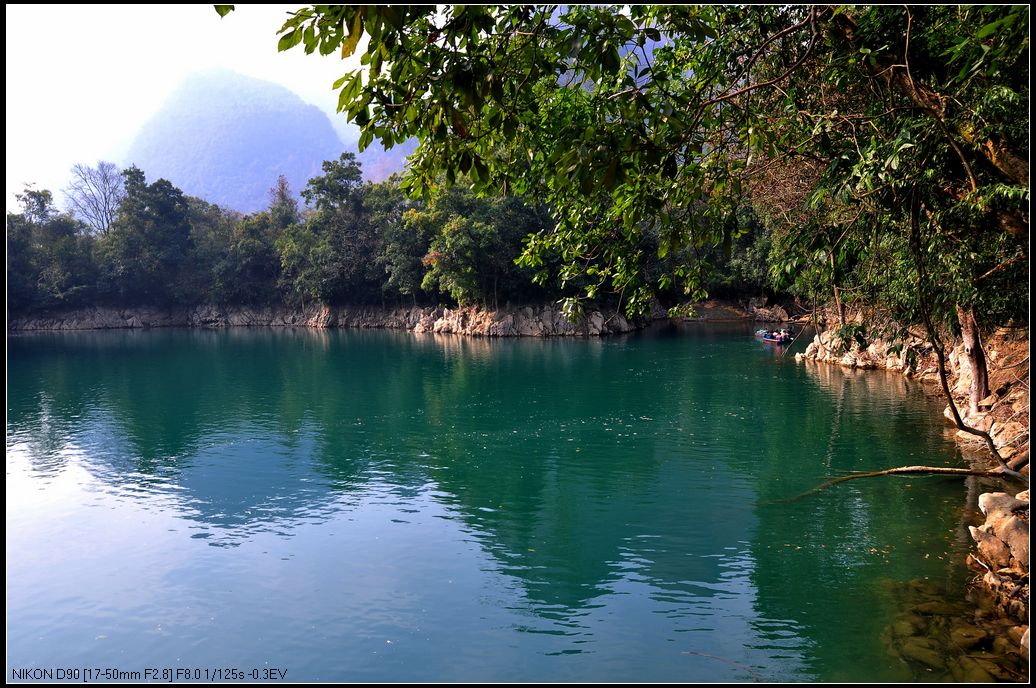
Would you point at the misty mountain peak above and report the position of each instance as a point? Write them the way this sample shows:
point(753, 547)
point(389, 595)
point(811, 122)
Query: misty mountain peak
point(226, 137)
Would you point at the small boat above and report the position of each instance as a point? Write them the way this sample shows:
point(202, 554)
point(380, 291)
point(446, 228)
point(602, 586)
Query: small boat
point(774, 336)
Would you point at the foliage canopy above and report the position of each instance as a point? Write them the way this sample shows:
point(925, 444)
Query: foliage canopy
point(641, 126)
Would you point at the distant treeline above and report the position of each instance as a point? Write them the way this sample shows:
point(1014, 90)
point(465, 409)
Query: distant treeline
point(131, 243)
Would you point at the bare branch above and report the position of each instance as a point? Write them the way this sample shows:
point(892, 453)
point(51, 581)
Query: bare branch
point(95, 194)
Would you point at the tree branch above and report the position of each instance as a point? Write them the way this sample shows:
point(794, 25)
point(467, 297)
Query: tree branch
point(771, 82)
point(914, 470)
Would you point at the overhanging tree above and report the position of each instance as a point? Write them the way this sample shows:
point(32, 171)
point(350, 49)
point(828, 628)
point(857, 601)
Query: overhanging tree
point(915, 113)
point(640, 122)
point(634, 121)
point(587, 110)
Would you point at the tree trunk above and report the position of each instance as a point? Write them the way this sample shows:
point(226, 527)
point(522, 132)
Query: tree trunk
point(976, 358)
point(937, 345)
point(838, 292)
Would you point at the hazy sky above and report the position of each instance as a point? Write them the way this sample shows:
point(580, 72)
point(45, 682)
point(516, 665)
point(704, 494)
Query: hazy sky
point(82, 79)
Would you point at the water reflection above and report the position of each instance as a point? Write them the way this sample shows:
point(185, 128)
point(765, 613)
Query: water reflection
point(854, 541)
point(616, 497)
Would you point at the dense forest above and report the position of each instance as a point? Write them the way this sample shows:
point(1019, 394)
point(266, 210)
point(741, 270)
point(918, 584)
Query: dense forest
point(128, 242)
point(353, 243)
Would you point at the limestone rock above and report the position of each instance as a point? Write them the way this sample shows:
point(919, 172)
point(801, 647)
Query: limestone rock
point(1009, 432)
point(903, 629)
point(971, 671)
point(990, 400)
point(506, 322)
point(993, 550)
point(595, 323)
point(937, 608)
point(992, 503)
point(619, 324)
point(1015, 534)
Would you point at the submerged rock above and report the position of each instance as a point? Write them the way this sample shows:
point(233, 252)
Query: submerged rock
point(922, 650)
point(967, 637)
point(938, 608)
point(943, 640)
point(968, 670)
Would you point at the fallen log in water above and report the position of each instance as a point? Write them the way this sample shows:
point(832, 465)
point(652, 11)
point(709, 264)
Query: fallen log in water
point(998, 472)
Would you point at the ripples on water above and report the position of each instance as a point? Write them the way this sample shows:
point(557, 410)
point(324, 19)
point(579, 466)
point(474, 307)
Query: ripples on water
point(378, 506)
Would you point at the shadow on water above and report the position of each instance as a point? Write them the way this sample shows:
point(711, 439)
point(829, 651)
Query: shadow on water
point(627, 478)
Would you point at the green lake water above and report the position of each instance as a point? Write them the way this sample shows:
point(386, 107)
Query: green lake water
point(383, 506)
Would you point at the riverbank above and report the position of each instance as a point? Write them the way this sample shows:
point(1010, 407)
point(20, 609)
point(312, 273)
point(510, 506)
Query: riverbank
point(512, 321)
point(1004, 414)
point(542, 320)
point(995, 644)
point(524, 321)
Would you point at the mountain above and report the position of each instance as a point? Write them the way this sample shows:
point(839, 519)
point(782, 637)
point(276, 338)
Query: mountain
point(225, 137)
point(379, 164)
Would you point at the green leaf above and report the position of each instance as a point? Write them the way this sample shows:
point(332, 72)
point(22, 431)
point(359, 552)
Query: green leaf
point(338, 82)
point(988, 30)
point(223, 10)
point(355, 33)
point(289, 40)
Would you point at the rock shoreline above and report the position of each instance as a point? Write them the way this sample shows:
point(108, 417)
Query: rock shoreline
point(1004, 414)
point(511, 321)
point(526, 321)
